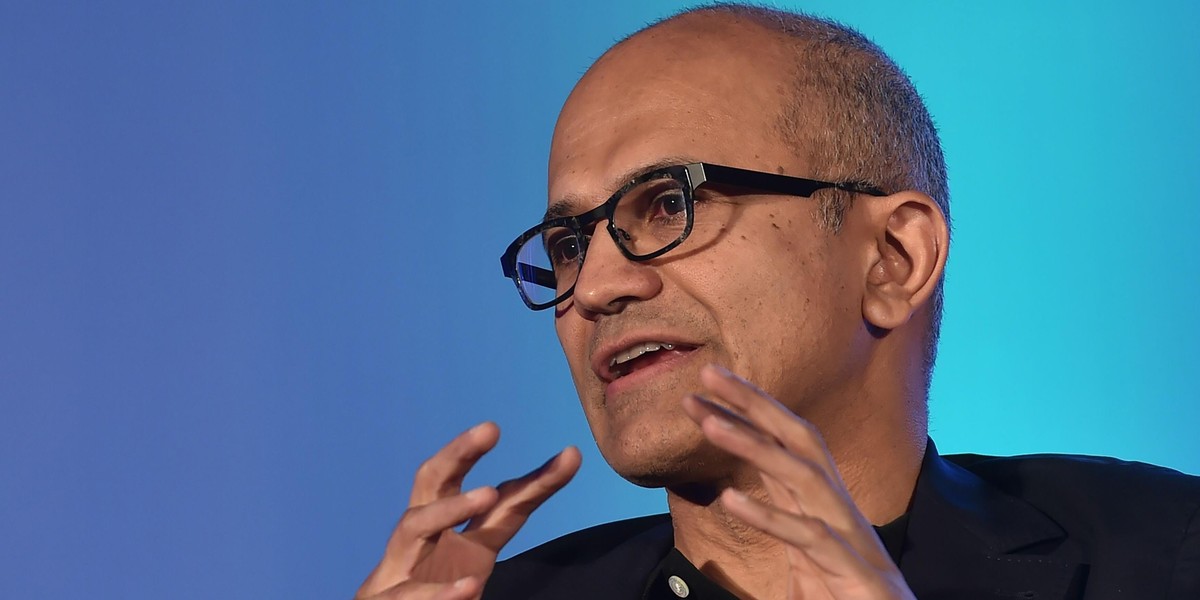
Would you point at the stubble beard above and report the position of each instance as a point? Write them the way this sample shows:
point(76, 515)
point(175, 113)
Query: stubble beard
point(650, 442)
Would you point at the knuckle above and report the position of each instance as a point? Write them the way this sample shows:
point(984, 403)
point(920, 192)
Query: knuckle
point(407, 522)
point(415, 521)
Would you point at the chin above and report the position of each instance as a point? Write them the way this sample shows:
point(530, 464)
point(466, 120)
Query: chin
point(666, 462)
point(646, 437)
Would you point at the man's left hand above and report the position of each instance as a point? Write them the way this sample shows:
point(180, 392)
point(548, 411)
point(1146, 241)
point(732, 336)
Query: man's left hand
point(832, 551)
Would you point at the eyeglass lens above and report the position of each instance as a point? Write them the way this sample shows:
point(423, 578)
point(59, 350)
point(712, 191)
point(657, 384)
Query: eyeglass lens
point(648, 217)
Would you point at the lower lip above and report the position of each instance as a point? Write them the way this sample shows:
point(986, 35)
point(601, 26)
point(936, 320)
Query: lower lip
point(675, 359)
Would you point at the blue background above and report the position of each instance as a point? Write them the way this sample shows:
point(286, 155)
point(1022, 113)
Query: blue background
point(248, 273)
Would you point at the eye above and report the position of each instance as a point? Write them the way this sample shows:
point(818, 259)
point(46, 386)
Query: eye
point(660, 204)
point(562, 248)
point(668, 204)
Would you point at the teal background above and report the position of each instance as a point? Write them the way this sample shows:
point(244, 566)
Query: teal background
point(249, 276)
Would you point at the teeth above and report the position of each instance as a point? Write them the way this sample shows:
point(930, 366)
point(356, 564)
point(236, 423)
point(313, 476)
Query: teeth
point(637, 350)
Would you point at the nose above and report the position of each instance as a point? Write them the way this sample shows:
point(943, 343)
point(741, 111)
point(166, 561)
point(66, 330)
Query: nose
point(608, 281)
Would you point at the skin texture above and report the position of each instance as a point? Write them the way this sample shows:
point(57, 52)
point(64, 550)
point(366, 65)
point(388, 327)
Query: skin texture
point(774, 260)
point(828, 324)
point(784, 475)
point(829, 548)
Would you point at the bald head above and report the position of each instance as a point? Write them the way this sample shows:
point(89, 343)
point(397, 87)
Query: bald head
point(752, 77)
point(845, 104)
point(827, 318)
point(709, 77)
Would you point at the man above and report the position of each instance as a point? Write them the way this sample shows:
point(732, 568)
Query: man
point(750, 320)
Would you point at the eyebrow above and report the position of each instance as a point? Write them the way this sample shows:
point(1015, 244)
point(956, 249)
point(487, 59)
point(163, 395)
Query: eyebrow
point(565, 206)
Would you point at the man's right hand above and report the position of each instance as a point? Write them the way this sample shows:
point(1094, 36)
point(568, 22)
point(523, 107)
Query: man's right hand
point(426, 559)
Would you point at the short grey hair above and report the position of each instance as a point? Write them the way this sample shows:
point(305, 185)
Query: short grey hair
point(855, 115)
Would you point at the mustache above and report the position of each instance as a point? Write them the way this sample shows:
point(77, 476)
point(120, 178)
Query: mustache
point(680, 322)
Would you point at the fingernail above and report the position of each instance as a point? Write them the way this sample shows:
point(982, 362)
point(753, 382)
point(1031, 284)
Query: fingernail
point(462, 583)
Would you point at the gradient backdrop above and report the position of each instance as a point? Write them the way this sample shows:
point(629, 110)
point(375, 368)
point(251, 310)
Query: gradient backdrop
point(249, 276)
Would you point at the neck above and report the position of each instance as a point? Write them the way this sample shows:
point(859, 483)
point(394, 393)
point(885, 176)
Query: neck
point(879, 469)
point(734, 555)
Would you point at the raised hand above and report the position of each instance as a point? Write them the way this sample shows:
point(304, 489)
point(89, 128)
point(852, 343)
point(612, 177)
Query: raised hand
point(832, 551)
point(426, 559)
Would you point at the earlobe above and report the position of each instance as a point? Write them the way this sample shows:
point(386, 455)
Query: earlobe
point(911, 243)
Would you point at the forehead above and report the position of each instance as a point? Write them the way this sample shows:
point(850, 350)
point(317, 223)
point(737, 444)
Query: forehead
point(704, 94)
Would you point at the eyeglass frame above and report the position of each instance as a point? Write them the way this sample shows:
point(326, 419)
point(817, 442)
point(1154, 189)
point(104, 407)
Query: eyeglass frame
point(696, 175)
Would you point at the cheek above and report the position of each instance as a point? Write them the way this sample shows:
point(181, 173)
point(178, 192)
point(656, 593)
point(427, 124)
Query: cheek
point(573, 339)
point(773, 294)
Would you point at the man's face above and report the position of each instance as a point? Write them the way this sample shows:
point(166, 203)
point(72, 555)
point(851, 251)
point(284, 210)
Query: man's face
point(769, 293)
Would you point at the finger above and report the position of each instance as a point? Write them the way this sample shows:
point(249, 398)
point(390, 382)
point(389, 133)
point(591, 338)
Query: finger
point(463, 589)
point(698, 407)
point(520, 497)
point(442, 475)
point(823, 546)
point(437, 516)
point(779, 494)
point(418, 528)
point(806, 482)
point(799, 477)
point(767, 414)
point(794, 483)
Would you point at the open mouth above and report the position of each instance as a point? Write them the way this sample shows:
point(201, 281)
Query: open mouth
point(642, 355)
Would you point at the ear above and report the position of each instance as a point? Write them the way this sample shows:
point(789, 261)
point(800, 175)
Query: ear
point(911, 238)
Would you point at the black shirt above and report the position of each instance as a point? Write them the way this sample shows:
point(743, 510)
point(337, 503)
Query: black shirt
point(675, 577)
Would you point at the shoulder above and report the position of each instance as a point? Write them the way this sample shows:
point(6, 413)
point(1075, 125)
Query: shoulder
point(1096, 496)
point(592, 559)
point(1074, 473)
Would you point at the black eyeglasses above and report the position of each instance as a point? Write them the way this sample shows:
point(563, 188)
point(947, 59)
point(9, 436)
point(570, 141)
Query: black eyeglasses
point(647, 217)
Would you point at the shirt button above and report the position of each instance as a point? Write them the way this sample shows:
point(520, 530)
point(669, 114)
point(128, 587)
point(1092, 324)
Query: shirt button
point(678, 586)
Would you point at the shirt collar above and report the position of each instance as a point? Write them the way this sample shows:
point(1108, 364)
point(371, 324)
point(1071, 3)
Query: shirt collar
point(676, 577)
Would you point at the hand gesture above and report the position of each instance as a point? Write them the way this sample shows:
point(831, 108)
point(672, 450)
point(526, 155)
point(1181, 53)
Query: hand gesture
point(832, 551)
point(426, 559)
